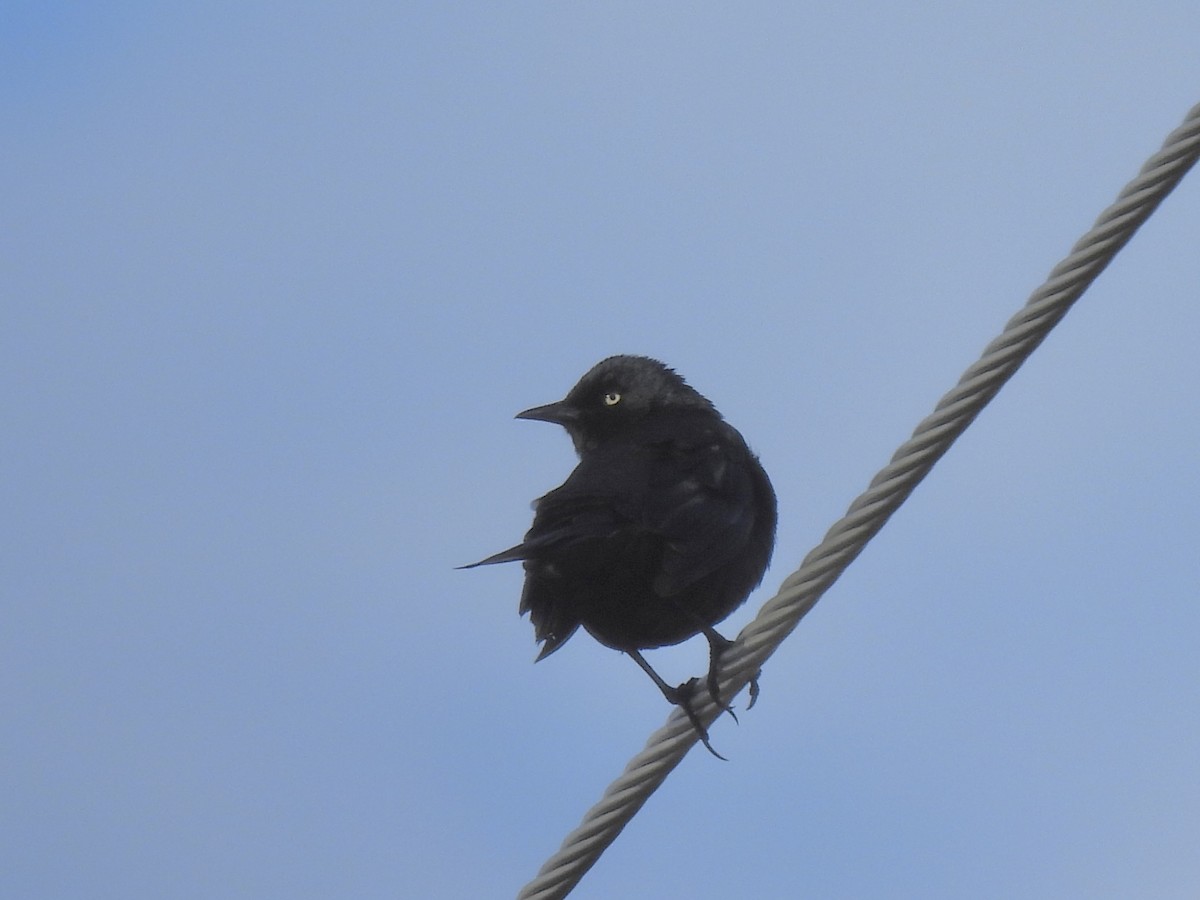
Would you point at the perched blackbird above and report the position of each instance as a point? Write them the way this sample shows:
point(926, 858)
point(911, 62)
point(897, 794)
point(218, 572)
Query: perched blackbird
point(662, 530)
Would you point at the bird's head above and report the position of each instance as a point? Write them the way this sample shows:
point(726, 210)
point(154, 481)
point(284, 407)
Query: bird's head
point(616, 393)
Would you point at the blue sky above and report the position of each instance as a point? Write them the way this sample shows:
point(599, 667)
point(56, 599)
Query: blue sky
point(275, 280)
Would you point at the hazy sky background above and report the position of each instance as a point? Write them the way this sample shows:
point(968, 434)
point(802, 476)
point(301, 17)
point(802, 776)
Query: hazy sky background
point(275, 279)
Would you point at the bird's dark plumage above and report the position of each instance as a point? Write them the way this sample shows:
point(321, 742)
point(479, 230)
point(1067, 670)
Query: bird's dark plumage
point(660, 532)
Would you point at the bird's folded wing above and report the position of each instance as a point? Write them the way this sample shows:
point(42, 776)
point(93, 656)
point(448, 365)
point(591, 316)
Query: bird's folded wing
point(704, 512)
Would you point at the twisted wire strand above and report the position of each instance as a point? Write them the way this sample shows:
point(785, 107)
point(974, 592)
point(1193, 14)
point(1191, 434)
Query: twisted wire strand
point(848, 536)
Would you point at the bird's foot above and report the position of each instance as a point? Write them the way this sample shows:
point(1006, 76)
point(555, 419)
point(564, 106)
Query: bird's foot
point(717, 645)
point(682, 697)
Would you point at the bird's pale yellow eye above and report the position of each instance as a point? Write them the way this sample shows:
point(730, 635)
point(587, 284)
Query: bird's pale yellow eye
point(612, 398)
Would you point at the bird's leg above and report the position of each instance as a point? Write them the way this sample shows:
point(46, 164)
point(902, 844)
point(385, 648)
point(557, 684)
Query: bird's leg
point(717, 645)
point(679, 696)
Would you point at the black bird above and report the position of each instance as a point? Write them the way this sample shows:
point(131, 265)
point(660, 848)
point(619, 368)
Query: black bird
point(662, 530)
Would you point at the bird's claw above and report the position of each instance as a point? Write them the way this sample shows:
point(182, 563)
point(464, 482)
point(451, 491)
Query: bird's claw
point(753, 690)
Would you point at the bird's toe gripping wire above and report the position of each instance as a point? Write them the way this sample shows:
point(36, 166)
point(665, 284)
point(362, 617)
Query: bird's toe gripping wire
point(680, 696)
point(717, 645)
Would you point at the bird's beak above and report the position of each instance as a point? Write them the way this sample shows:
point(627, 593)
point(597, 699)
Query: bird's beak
point(559, 413)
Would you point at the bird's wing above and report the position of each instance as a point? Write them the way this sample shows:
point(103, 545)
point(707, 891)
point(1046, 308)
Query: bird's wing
point(569, 516)
point(701, 502)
